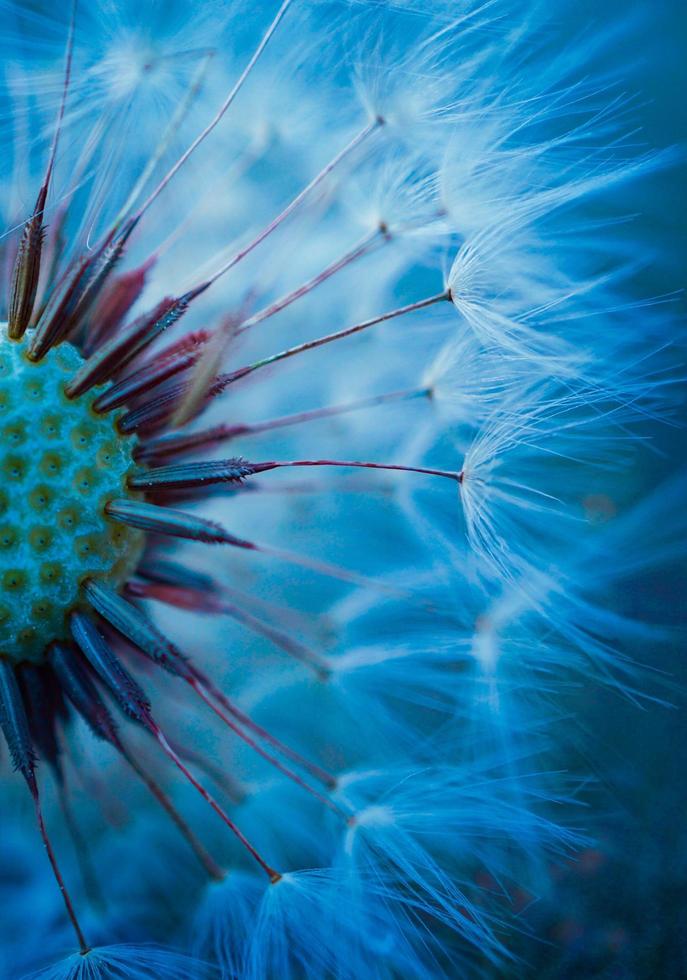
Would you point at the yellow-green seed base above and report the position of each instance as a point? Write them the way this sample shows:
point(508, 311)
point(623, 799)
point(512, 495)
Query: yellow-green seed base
point(60, 463)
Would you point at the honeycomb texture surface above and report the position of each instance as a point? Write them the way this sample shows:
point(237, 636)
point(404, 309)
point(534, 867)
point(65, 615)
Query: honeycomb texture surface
point(60, 463)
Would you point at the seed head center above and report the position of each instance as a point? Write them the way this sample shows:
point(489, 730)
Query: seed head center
point(60, 463)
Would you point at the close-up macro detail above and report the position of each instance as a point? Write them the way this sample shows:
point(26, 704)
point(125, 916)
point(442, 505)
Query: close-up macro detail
point(342, 490)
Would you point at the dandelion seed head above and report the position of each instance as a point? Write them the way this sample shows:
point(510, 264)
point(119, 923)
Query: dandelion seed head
point(319, 514)
point(60, 462)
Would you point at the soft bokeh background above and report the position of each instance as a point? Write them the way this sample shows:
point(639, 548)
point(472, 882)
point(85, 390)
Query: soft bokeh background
point(621, 910)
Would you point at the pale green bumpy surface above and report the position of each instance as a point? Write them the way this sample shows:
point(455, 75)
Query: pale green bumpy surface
point(60, 463)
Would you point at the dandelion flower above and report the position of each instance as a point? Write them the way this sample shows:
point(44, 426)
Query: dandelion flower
point(250, 433)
